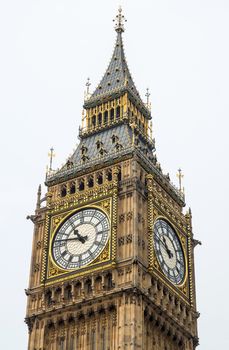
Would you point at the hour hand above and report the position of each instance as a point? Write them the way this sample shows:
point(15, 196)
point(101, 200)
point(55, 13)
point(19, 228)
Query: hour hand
point(170, 254)
point(81, 238)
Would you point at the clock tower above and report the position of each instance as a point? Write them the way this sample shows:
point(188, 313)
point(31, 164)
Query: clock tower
point(112, 262)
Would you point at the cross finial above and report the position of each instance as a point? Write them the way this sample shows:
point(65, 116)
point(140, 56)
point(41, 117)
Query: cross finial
point(180, 176)
point(87, 92)
point(119, 21)
point(147, 96)
point(88, 84)
point(51, 155)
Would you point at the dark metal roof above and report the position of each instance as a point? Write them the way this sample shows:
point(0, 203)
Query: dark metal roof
point(105, 148)
point(103, 140)
point(117, 74)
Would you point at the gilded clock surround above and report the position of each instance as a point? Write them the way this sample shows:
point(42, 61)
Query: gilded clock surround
point(121, 300)
point(54, 270)
point(183, 242)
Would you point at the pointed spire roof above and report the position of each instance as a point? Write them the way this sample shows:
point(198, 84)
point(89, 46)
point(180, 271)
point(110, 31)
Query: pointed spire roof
point(117, 78)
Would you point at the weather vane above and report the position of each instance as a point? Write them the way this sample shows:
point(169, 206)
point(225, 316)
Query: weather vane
point(51, 155)
point(180, 176)
point(119, 21)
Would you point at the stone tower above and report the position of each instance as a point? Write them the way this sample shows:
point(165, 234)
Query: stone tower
point(112, 257)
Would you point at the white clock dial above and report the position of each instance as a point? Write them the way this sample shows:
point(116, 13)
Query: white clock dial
point(80, 239)
point(169, 251)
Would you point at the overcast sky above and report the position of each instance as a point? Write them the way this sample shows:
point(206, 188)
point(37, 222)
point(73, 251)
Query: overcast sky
point(179, 49)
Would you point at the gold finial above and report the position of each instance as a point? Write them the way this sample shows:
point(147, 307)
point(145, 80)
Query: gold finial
point(51, 155)
point(38, 197)
point(119, 21)
point(180, 176)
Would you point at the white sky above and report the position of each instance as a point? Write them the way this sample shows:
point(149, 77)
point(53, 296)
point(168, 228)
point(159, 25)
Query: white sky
point(179, 49)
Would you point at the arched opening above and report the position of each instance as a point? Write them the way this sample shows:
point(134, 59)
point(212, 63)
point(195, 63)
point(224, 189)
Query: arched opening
point(63, 191)
point(72, 187)
point(108, 281)
point(118, 112)
point(58, 295)
point(83, 150)
point(100, 119)
point(93, 120)
point(48, 298)
point(98, 284)
point(118, 147)
point(99, 144)
point(78, 289)
point(114, 138)
point(105, 117)
point(109, 175)
point(68, 293)
point(100, 179)
point(81, 185)
point(90, 182)
point(88, 286)
point(112, 115)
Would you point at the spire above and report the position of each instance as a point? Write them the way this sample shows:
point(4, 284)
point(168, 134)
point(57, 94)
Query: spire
point(117, 78)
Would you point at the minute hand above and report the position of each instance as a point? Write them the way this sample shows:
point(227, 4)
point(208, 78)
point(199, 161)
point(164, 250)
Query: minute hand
point(170, 254)
point(68, 239)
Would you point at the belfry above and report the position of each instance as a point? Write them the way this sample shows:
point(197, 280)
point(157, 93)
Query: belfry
point(112, 264)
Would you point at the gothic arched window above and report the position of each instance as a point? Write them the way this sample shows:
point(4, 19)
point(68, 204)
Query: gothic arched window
point(78, 289)
point(93, 121)
point(100, 119)
point(109, 175)
point(112, 114)
point(81, 185)
point(105, 117)
point(90, 181)
point(100, 178)
point(98, 284)
point(48, 297)
point(119, 175)
point(108, 281)
point(68, 293)
point(63, 190)
point(72, 187)
point(88, 286)
point(118, 112)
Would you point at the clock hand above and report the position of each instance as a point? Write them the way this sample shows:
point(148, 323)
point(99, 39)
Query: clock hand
point(81, 238)
point(164, 243)
point(170, 254)
point(67, 239)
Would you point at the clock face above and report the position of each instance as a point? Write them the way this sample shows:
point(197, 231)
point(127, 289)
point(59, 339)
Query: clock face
point(169, 251)
point(80, 239)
